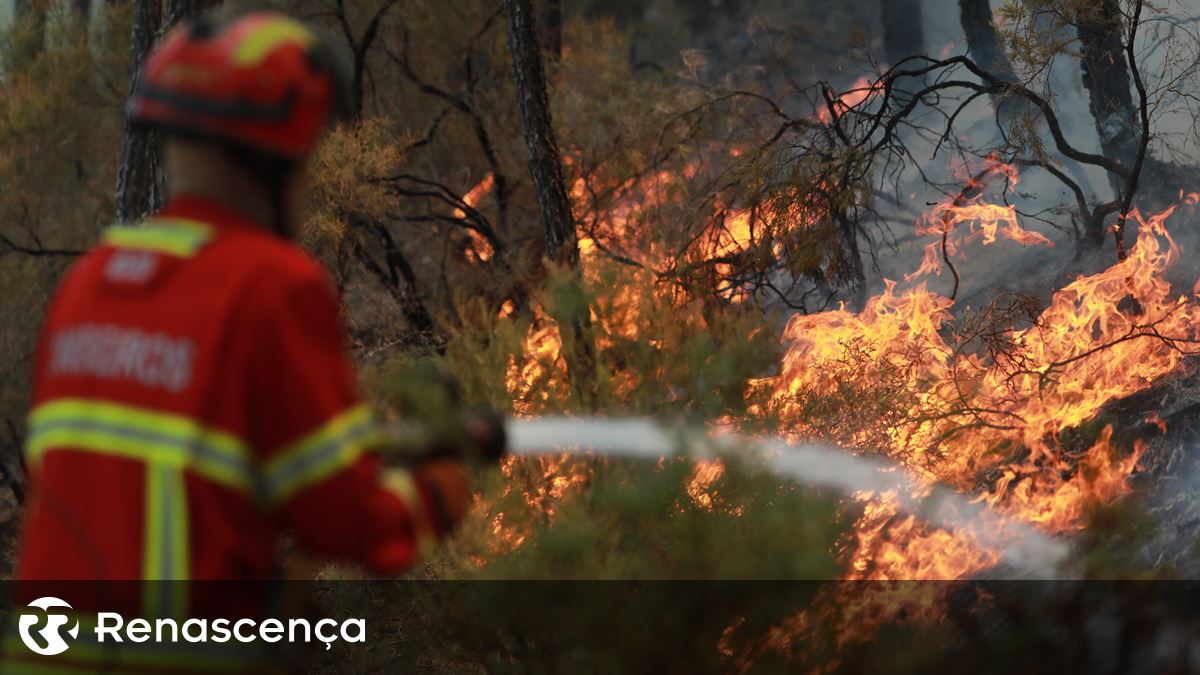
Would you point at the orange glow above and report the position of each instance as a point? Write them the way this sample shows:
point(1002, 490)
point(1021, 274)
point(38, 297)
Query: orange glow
point(862, 89)
point(481, 249)
point(1077, 357)
point(704, 474)
point(986, 222)
point(987, 423)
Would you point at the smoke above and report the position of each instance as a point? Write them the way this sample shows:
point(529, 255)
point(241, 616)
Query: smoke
point(1167, 57)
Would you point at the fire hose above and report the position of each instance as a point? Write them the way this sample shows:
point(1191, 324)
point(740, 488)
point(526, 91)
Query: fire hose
point(1029, 552)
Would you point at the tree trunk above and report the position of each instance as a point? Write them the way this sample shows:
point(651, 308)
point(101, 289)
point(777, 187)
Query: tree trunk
point(359, 48)
point(982, 44)
point(82, 8)
point(903, 37)
point(178, 10)
point(141, 186)
point(1106, 78)
point(545, 164)
point(545, 161)
point(903, 32)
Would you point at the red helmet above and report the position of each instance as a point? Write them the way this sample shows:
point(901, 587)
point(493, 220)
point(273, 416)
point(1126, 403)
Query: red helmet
point(262, 81)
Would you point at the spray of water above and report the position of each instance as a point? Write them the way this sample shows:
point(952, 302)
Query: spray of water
point(1028, 551)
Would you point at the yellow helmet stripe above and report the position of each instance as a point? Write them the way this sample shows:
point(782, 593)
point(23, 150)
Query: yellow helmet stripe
point(269, 36)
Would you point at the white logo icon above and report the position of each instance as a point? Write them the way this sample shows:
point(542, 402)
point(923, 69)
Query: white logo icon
point(51, 633)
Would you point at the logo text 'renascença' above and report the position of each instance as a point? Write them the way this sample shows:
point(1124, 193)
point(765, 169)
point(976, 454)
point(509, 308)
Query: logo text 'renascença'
point(47, 622)
point(112, 626)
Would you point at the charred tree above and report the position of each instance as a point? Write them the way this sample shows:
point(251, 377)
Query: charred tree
point(983, 46)
point(903, 32)
point(399, 278)
point(545, 160)
point(178, 10)
point(141, 187)
point(903, 37)
point(545, 165)
point(1122, 120)
point(1106, 78)
point(982, 43)
point(360, 46)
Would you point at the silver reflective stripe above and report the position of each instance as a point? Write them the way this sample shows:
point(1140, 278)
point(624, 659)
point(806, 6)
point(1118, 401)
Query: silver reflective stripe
point(192, 452)
point(282, 478)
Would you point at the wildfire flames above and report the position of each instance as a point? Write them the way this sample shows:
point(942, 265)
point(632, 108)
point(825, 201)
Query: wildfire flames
point(480, 248)
point(1101, 338)
point(858, 93)
point(981, 411)
point(985, 222)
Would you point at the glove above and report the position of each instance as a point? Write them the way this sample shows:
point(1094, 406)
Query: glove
point(447, 478)
point(485, 432)
point(478, 436)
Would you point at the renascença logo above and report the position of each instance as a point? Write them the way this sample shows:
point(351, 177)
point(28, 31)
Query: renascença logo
point(51, 636)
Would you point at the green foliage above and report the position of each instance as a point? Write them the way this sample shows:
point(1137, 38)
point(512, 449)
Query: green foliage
point(498, 613)
point(638, 522)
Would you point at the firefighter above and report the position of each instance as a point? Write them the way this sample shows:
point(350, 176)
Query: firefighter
point(193, 399)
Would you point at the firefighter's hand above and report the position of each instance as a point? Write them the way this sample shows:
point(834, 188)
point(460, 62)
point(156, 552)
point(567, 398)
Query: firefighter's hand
point(484, 428)
point(448, 476)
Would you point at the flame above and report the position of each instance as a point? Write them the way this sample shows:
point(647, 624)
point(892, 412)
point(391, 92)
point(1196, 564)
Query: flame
point(858, 93)
point(540, 374)
point(968, 416)
point(704, 474)
point(987, 425)
point(986, 222)
point(481, 249)
point(537, 375)
point(541, 483)
point(901, 377)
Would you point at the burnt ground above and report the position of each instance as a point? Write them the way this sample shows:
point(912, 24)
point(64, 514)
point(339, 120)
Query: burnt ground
point(1167, 485)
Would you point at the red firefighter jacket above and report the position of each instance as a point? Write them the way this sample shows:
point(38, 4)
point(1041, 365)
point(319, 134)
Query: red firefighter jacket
point(192, 400)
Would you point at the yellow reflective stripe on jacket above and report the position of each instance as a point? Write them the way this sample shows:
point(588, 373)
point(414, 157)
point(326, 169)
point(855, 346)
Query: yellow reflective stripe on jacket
point(174, 236)
point(337, 444)
point(140, 434)
point(165, 542)
point(403, 484)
